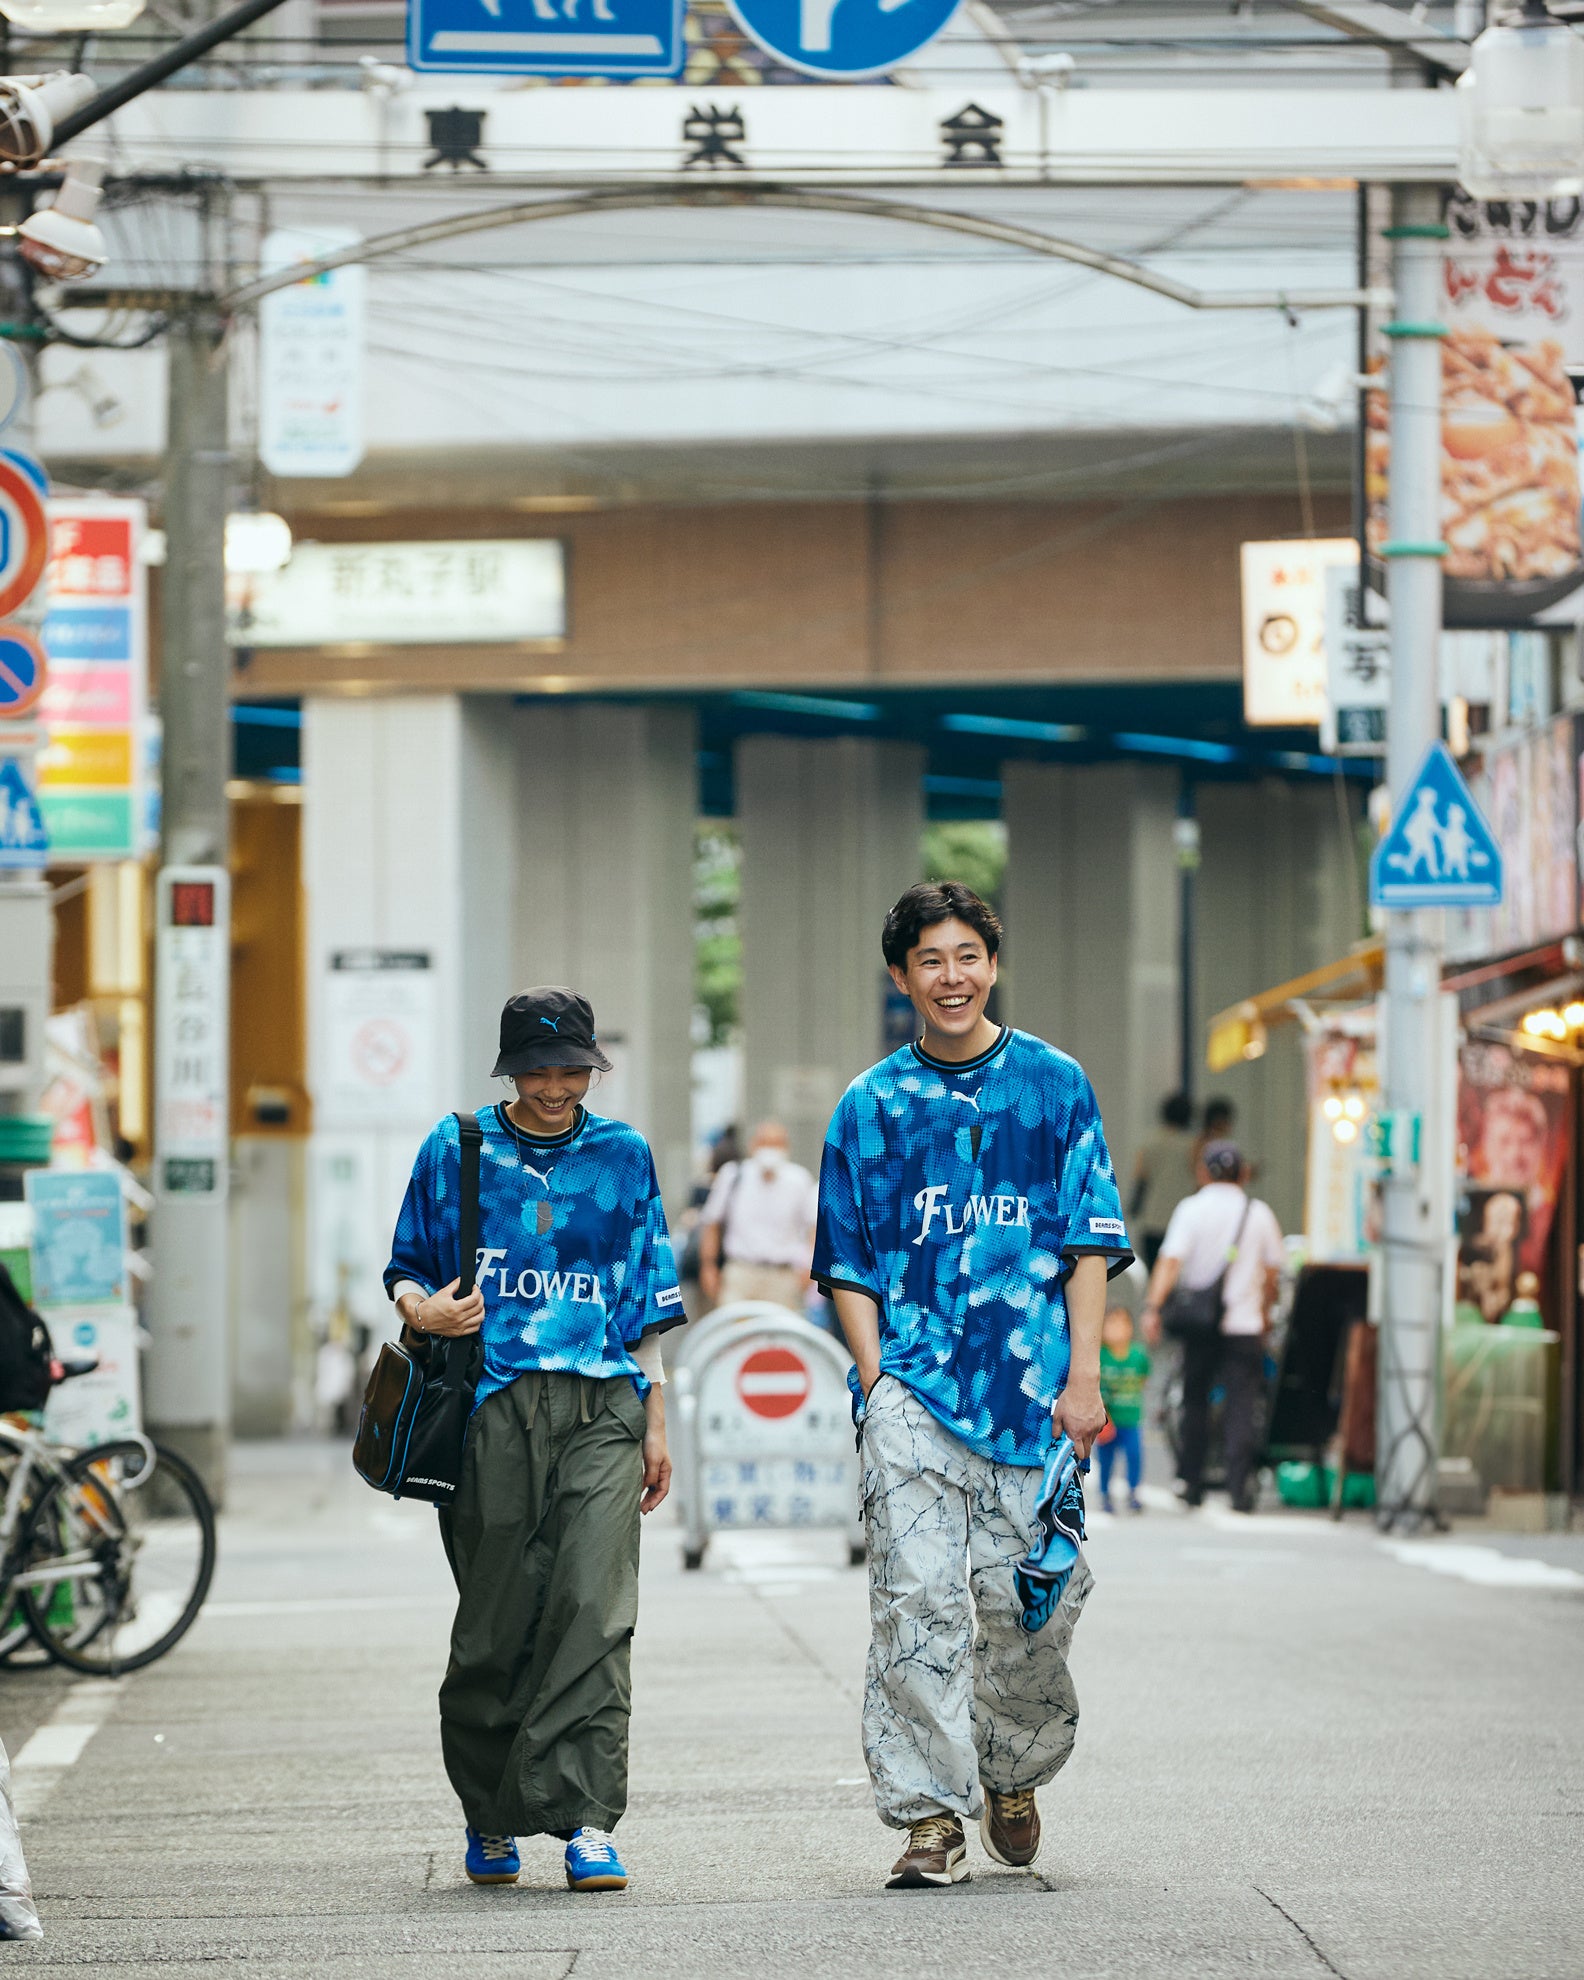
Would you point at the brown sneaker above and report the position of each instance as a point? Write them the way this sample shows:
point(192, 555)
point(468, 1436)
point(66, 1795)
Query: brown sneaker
point(1010, 1827)
point(936, 1854)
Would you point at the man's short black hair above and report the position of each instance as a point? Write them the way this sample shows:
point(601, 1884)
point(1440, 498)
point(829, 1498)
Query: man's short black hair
point(926, 906)
point(1177, 1111)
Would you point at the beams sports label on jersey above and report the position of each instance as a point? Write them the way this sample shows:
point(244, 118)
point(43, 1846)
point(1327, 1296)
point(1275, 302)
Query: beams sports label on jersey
point(964, 1235)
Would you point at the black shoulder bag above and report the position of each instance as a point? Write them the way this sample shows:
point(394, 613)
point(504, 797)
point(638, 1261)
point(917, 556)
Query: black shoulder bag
point(1194, 1313)
point(419, 1398)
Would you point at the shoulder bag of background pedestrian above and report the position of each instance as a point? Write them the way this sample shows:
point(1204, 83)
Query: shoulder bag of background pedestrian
point(419, 1397)
point(25, 1352)
point(1194, 1313)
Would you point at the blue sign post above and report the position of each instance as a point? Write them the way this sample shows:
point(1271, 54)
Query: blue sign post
point(1439, 851)
point(617, 38)
point(843, 40)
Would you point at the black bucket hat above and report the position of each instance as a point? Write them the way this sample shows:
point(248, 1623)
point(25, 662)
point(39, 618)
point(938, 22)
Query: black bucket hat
point(549, 1026)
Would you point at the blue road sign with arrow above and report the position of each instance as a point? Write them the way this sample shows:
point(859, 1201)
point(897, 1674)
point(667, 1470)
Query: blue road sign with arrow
point(843, 39)
point(23, 840)
point(1439, 851)
point(619, 38)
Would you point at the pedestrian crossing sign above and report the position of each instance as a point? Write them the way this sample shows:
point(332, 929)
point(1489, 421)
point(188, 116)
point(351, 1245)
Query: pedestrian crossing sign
point(24, 842)
point(1439, 851)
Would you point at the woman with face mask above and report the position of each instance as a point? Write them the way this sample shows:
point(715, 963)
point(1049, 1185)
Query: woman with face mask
point(756, 1236)
point(575, 1283)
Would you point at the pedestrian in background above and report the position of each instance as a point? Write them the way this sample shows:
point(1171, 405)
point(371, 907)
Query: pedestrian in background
point(1221, 1228)
point(1124, 1371)
point(756, 1233)
point(968, 1221)
point(566, 1445)
point(1162, 1175)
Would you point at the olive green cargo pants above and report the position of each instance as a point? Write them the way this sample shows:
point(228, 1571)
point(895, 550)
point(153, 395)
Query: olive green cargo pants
point(543, 1541)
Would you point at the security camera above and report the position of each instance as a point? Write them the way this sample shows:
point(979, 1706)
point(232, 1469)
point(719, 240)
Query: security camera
point(31, 107)
point(61, 241)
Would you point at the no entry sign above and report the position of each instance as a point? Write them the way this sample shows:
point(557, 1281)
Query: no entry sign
point(23, 669)
point(774, 1381)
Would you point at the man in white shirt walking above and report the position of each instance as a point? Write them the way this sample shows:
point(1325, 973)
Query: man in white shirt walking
point(1221, 1229)
point(756, 1231)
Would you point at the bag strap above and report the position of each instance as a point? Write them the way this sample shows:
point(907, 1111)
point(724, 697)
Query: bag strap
point(472, 1140)
point(1237, 1235)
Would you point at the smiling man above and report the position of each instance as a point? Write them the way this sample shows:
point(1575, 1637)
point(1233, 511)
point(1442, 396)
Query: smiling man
point(969, 1218)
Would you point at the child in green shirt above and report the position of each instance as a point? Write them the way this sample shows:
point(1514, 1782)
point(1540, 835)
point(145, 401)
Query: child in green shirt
point(1124, 1369)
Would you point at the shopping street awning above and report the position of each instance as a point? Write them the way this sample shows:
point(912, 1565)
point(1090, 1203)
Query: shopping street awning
point(1239, 1032)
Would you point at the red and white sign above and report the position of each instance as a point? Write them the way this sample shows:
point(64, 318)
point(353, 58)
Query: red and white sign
point(377, 1020)
point(774, 1381)
point(24, 541)
point(93, 556)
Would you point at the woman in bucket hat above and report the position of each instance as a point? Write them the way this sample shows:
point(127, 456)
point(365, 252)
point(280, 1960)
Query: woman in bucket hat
point(575, 1283)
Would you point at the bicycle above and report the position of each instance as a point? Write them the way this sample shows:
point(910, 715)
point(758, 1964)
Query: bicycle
point(106, 1554)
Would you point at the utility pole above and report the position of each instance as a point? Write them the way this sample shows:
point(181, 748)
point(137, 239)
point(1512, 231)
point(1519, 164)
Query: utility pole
point(1413, 1241)
point(188, 1367)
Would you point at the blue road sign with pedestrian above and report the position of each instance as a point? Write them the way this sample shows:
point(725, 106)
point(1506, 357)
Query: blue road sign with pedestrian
point(843, 39)
point(23, 839)
point(619, 38)
point(1439, 851)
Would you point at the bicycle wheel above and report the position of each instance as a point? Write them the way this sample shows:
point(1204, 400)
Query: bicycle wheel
point(117, 1558)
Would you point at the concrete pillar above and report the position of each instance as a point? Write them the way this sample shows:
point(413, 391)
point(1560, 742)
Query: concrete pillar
point(605, 801)
point(1091, 913)
point(408, 850)
point(1278, 895)
point(831, 833)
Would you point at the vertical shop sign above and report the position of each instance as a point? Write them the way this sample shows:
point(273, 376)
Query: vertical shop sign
point(1514, 1131)
point(192, 988)
point(311, 357)
point(1512, 366)
point(91, 773)
point(1284, 624)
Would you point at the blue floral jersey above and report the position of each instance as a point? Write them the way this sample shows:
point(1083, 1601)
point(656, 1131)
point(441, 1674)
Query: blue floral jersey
point(957, 1197)
point(574, 1257)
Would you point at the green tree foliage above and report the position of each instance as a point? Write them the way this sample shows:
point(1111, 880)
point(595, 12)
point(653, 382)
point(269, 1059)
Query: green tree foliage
point(717, 945)
point(972, 850)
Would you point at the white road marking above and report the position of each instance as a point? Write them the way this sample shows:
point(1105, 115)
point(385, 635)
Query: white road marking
point(328, 1605)
point(59, 1743)
point(1487, 1567)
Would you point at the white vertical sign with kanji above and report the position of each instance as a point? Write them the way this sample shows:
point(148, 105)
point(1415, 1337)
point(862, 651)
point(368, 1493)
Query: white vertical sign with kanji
point(192, 992)
point(311, 357)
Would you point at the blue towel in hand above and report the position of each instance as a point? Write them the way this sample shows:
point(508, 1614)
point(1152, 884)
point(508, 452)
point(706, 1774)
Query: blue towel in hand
point(1041, 1577)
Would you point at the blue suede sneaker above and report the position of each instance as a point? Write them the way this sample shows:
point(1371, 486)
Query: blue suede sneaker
point(592, 1863)
point(492, 1859)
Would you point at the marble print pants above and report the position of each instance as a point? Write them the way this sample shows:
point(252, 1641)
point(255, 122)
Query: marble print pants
point(956, 1693)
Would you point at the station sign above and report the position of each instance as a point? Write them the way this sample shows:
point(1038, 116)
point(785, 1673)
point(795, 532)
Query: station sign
point(622, 39)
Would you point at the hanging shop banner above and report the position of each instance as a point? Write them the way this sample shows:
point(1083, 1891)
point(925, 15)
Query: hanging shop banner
point(1342, 1077)
point(410, 594)
point(1513, 1137)
point(1512, 366)
point(1284, 626)
point(192, 995)
point(1528, 791)
point(311, 357)
point(91, 781)
point(379, 1030)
